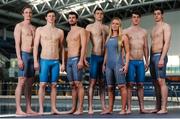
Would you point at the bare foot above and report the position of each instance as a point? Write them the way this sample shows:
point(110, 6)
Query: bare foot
point(78, 112)
point(55, 112)
point(41, 113)
point(20, 113)
point(145, 111)
point(90, 111)
point(123, 112)
point(66, 112)
point(128, 112)
point(104, 108)
point(154, 110)
point(31, 112)
point(162, 112)
point(106, 112)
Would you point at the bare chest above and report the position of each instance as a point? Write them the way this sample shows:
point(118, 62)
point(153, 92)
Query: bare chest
point(157, 32)
point(97, 31)
point(73, 37)
point(52, 36)
point(27, 31)
point(136, 38)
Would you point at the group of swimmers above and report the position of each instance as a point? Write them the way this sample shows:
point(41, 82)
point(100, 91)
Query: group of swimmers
point(122, 54)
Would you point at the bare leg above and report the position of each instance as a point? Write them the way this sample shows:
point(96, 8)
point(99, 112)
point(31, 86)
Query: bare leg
point(53, 99)
point(74, 100)
point(111, 100)
point(102, 94)
point(80, 89)
point(129, 95)
point(123, 91)
point(28, 93)
point(90, 96)
point(158, 96)
point(41, 97)
point(140, 92)
point(164, 95)
point(18, 92)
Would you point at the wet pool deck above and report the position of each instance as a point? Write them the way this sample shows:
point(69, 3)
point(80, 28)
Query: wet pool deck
point(173, 113)
point(173, 109)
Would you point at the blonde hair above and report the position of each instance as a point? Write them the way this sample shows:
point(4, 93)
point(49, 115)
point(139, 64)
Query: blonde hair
point(120, 32)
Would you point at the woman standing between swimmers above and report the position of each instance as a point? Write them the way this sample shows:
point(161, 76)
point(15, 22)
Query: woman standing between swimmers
point(116, 45)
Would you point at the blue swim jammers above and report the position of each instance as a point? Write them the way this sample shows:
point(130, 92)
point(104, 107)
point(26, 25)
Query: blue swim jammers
point(136, 71)
point(49, 69)
point(96, 63)
point(73, 73)
point(28, 69)
point(155, 71)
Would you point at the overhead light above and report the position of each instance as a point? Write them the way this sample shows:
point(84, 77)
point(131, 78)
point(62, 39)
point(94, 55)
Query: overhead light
point(78, 6)
point(37, 2)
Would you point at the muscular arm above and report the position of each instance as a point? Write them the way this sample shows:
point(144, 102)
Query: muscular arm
point(88, 34)
point(83, 44)
point(146, 49)
point(63, 51)
point(34, 30)
point(167, 38)
point(126, 46)
point(36, 45)
point(62, 47)
point(17, 36)
point(105, 59)
point(106, 34)
point(124, 32)
point(106, 31)
point(87, 41)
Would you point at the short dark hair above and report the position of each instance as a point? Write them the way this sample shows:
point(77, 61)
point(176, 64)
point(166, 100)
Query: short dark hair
point(158, 8)
point(73, 13)
point(25, 7)
point(136, 12)
point(51, 11)
point(98, 9)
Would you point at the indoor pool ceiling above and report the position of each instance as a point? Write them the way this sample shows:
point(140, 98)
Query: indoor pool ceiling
point(10, 9)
